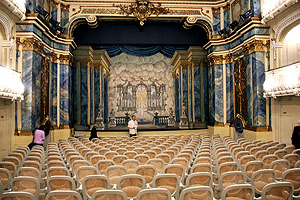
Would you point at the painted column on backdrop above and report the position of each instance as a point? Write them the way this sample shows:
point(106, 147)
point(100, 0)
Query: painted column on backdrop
point(197, 92)
point(229, 89)
point(84, 93)
point(92, 95)
point(216, 21)
point(53, 92)
point(97, 90)
point(248, 59)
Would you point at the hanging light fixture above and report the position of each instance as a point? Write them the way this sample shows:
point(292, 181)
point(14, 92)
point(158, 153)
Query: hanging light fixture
point(142, 9)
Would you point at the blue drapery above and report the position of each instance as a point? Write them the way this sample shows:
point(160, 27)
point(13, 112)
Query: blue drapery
point(141, 50)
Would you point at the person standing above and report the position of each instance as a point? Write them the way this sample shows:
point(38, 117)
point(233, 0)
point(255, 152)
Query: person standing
point(39, 136)
point(93, 133)
point(133, 125)
point(296, 136)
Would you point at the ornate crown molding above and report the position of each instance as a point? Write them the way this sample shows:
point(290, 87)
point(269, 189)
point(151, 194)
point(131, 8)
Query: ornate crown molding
point(142, 10)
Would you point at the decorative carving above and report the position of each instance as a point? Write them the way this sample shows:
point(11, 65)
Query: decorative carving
point(142, 9)
point(256, 45)
point(240, 83)
point(216, 10)
point(92, 21)
point(113, 11)
point(228, 58)
point(227, 7)
point(7, 25)
point(45, 88)
point(112, 119)
point(284, 24)
point(31, 44)
point(171, 119)
point(66, 59)
point(64, 7)
point(99, 119)
point(215, 60)
point(183, 124)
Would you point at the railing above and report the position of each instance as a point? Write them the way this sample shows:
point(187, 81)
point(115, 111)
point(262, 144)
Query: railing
point(122, 121)
point(161, 120)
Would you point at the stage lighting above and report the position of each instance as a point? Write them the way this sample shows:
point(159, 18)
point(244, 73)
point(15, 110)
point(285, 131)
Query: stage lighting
point(41, 11)
point(247, 15)
point(234, 25)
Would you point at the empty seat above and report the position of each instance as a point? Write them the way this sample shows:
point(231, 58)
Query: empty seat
point(157, 163)
point(60, 183)
point(95, 158)
point(62, 195)
point(142, 158)
point(103, 164)
point(147, 171)
point(199, 192)
point(292, 176)
point(17, 196)
point(109, 195)
point(292, 158)
point(131, 184)
point(280, 153)
point(203, 167)
point(93, 183)
point(118, 159)
point(131, 165)
point(26, 184)
point(84, 171)
point(175, 169)
point(268, 159)
point(167, 181)
point(199, 179)
point(154, 193)
point(5, 178)
point(238, 191)
point(231, 178)
point(252, 167)
point(115, 172)
point(261, 178)
point(279, 166)
point(278, 190)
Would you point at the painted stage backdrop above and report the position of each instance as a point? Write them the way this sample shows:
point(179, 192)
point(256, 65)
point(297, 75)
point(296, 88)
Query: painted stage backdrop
point(141, 86)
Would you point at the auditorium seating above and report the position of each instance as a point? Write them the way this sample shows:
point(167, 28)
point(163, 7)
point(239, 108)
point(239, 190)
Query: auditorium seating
point(156, 167)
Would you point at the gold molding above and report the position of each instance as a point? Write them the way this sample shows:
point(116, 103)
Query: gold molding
point(64, 7)
point(216, 10)
point(256, 46)
point(215, 60)
point(66, 59)
point(228, 58)
point(30, 44)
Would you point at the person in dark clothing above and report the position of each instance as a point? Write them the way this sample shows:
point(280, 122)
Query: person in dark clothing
point(93, 133)
point(296, 136)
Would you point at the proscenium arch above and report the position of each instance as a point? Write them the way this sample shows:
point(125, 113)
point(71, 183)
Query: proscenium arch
point(202, 22)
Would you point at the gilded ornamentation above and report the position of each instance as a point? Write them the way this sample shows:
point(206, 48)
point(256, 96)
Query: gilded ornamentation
point(66, 59)
point(215, 60)
point(31, 44)
point(256, 45)
point(113, 11)
point(142, 10)
point(45, 88)
point(228, 58)
point(216, 10)
point(65, 7)
point(92, 21)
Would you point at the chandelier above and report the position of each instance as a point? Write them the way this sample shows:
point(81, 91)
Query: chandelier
point(142, 9)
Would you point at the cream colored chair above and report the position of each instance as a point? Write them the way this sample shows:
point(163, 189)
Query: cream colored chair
point(109, 195)
point(167, 181)
point(261, 178)
point(115, 172)
point(199, 192)
point(154, 194)
point(147, 171)
point(60, 183)
point(102, 165)
point(63, 195)
point(93, 183)
point(131, 184)
point(16, 196)
point(239, 191)
point(278, 190)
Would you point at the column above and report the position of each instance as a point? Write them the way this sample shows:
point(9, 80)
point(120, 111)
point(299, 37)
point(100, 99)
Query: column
point(53, 90)
point(229, 89)
point(216, 21)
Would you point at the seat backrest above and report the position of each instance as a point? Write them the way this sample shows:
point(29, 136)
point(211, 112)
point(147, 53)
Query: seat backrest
point(231, 178)
point(142, 158)
point(261, 178)
point(95, 158)
point(147, 171)
point(292, 158)
point(175, 169)
point(118, 159)
point(84, 171)
point(79, 163)
point(154, 193)
point(29, 171)
point(278, 190)
point(226, 167)
point(280, 166)
point(131, 184)
point(103, 164)
point(240, 191)
point(202, 167)
point(157, 163)
point(26, 184)
point(169, 181)
point(12, 159)
point(199, 179)
point(199, 192)
point(292, 176)
point(60, 183)
point(109, 194)
point(92, 183)
point(17, 196)
point(268, 159)
point(58, 171)
point(280, 153)
point(5, 177)
point(61, 195)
